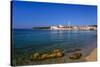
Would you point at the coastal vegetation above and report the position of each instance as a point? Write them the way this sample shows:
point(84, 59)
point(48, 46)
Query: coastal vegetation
point(36, 28)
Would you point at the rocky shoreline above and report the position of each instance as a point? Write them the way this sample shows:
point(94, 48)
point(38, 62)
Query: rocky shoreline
point(56, 55)
point(51, 54)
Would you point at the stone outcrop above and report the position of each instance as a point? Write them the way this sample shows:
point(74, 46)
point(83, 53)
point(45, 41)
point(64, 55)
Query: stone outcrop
point(41, 56)
point(75, 56)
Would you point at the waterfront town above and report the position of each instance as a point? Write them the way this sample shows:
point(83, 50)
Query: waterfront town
point(69, 27)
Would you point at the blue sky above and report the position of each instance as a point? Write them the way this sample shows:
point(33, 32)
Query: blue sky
point(33, 14)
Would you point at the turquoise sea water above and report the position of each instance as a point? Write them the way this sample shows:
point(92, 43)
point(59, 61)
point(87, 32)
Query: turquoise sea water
point(26, 41)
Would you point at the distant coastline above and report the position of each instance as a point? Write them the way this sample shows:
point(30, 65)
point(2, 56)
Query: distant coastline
point(67, 27)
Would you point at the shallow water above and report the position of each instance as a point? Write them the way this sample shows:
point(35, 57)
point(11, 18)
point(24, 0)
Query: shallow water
point(26, 41)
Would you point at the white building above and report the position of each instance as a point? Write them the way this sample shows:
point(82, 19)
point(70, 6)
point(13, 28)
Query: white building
point(60, 26)
point(54, 27)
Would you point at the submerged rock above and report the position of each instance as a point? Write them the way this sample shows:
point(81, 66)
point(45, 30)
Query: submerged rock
point(75, 56)
point(35, 56)
point(59, 54)
point(41, 56)
point(44, 56)
point(56, 50)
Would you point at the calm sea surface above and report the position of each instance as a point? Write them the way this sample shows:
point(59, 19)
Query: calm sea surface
point(27, 40)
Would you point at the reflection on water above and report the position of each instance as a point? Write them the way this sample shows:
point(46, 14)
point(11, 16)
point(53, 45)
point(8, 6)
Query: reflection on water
point(44, 40)
point(25, 42)
point(56, 35)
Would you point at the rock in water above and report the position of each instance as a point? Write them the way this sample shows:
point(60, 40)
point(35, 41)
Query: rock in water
point(75, 56)
point(42, 56)
point(59, 54)
point(35, 56)
point(56, 50)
